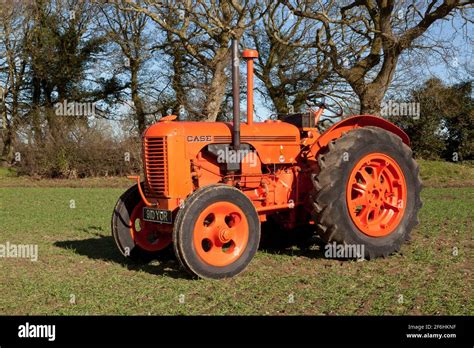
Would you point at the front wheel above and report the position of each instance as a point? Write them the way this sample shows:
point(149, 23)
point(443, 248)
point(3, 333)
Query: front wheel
point(367, 192)
point(137, 239)
point(217, 232)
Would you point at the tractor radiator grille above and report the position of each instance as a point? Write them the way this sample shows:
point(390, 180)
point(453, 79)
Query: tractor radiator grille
point(156, 169)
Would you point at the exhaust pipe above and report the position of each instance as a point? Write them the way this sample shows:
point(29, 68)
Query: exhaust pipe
point(235, 95)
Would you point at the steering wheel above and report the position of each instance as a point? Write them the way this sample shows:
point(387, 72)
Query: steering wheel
point(311, 102)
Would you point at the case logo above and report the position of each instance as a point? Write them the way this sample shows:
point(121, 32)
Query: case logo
point(198, 138)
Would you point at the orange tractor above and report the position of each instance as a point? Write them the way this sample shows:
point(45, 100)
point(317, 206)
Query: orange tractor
point(208, 187)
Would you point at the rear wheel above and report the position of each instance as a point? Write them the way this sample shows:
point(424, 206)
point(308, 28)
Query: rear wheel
point(367, 191)
point(217, 232)
point(137, 239)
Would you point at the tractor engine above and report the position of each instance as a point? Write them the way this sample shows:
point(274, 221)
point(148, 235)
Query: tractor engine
point(180, 157)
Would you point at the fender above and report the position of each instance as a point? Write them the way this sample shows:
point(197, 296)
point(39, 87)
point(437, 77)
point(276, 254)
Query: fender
point(355, 122)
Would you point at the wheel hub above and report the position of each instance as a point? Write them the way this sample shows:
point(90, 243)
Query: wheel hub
point(376, 195)
point(225, 235)
point(221, 234)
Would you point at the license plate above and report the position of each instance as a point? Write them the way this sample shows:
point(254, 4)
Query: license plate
point(160, 216)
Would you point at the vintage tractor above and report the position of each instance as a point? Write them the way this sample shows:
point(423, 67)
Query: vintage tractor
point(208, 186)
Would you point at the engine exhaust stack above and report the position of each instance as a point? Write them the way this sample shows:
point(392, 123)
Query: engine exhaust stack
point(249, 56)
point(235, 95)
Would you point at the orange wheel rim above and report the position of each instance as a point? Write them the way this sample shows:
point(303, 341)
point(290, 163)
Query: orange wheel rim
point(221, 234)
point(149, 236)
point(376, 195)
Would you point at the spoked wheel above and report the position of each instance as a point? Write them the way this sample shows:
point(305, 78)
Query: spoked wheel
point(367, 191)
point(217, 232)
point(136, 238)
point(376, 195)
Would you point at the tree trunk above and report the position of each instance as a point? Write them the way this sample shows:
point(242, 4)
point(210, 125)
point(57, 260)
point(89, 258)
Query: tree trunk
point(7, 152)
point(371, 100)
point(54, 123)
point(36, 115)
point(216, 91)
point(278, 97)
point(372, 94)
point(6, 156)
point(137, 101)
point(177, 78)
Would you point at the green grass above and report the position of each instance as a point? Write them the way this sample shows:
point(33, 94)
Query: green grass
point(8, 179)
point(77, 257)
point(446, 174)
point(7, 172)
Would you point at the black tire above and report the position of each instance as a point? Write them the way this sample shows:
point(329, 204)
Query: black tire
point(330, 212)
point(121, 230)
point(183, 232)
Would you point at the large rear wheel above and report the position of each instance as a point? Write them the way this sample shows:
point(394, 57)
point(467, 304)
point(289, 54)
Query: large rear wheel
point(217, 232)
point(367, 191)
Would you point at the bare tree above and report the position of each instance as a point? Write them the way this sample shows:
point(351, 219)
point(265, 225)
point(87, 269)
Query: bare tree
point(127, 30)
point(205, 33)
point(290, 74)
point(14, 31)
point(365, 38)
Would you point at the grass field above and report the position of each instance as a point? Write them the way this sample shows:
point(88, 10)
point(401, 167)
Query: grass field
point(79, 270)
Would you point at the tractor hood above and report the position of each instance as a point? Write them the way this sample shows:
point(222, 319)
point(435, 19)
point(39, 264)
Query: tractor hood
point(275, 141)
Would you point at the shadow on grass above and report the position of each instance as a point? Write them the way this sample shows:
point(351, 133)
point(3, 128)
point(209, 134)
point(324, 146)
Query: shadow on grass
point(292, 243)
point(313, 248)
point(297, 242)
point(93, 230)
point(103, 248)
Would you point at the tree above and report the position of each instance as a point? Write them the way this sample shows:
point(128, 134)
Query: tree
point(61, 48)
point(425, 132)
point(14, 31)
point(205, 32)
point(459, 122)
point(127, 30)
point(289, 73)
point(446, 123)
point(365, 38)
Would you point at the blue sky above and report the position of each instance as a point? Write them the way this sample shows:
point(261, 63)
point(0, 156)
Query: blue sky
point(451, 72)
